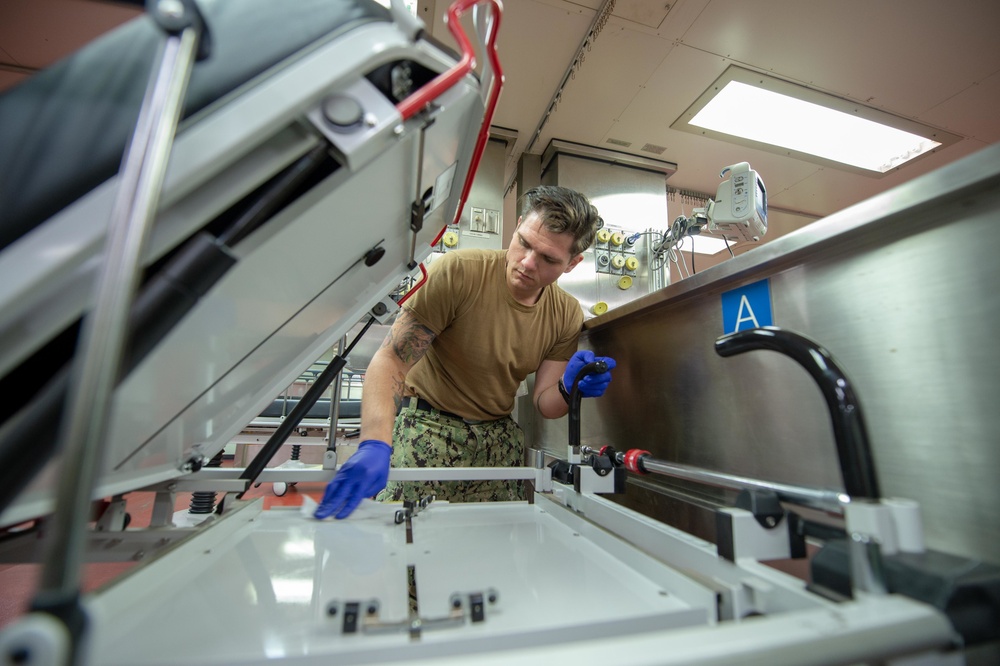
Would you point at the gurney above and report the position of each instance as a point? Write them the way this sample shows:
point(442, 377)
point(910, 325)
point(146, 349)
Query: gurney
point(567, 576)
point(320, 149)
point(326, 133)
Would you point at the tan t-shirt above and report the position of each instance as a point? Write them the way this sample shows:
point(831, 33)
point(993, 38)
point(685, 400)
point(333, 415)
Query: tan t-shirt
point(487, 342)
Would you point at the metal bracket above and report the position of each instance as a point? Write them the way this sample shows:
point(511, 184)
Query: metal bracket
point(763, 504)
point(163, 508)
point(411, 509)
point(114, 518)
point(363, 617)
point(739, 534)
point(385, 310)
point(588, 479)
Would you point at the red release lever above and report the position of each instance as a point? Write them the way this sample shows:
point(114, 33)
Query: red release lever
point(423, 278)
point(414, 103)
point(417, 101)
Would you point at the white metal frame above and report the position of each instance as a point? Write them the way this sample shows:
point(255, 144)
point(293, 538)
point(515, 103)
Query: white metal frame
point(749, 612)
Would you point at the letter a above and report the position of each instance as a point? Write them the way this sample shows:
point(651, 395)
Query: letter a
point(750, 316)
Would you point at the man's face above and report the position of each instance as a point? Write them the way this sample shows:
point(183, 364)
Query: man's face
point(536, 258)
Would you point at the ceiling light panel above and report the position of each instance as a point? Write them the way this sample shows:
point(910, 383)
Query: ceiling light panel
point(760, 111)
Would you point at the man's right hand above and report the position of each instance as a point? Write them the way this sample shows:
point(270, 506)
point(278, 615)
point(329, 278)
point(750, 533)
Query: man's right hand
point(364, 474)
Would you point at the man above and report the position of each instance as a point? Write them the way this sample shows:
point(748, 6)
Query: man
point(442, 386)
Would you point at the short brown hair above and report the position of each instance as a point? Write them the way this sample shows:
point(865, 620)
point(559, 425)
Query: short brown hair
point(564, 211)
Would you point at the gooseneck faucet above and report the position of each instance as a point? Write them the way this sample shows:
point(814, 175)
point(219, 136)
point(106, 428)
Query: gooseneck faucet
point(592, 368)
point(856, 463)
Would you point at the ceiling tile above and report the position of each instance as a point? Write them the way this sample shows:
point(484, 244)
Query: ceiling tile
point(644, 12)
point(972, 112)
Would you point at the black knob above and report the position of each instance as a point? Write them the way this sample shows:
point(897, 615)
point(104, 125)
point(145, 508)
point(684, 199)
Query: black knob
point(373, 256)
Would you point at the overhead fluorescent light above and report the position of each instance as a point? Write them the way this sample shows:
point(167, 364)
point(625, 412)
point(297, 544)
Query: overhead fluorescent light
point(767, 113)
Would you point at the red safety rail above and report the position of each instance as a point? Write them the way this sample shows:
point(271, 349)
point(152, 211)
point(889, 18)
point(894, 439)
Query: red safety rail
point(420, 99)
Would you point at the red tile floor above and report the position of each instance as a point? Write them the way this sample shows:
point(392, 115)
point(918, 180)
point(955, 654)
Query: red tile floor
point(18, 581)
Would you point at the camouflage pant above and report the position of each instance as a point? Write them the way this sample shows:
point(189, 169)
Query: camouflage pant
point(430, 439)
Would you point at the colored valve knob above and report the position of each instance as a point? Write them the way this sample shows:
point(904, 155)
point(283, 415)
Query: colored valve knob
point(632, 460)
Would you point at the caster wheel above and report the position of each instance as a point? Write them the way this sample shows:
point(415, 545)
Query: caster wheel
point(279, 488)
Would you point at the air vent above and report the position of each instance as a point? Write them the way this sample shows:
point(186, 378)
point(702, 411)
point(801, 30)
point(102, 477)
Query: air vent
point(619, 142)
point(653, 148)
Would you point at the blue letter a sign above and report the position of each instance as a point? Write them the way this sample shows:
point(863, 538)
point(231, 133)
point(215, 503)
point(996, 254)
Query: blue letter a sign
point(746, 307)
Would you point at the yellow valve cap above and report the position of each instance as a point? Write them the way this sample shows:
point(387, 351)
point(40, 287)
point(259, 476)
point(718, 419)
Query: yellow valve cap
point(625, 282)
point(599, 308)
point(631, 263)
point(603, 235)
point(617, 238)
point(450, 239)
point(618, 261)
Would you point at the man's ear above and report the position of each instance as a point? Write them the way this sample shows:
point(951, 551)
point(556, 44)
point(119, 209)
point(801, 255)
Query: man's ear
point(573, 262)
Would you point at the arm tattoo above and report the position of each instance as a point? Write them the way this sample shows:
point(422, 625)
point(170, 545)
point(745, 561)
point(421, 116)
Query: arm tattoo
point(398, 390)
point(409, 339)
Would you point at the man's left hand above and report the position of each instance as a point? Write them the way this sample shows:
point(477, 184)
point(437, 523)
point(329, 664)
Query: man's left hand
point(593, 385)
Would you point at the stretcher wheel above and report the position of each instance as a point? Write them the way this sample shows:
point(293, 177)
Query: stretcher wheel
point(279, 488)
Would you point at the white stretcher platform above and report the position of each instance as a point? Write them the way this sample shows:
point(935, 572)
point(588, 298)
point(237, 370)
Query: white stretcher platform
point(258, 586)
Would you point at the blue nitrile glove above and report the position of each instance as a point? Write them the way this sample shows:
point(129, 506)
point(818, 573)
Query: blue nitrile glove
point(363, 475)
point(591, 386)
